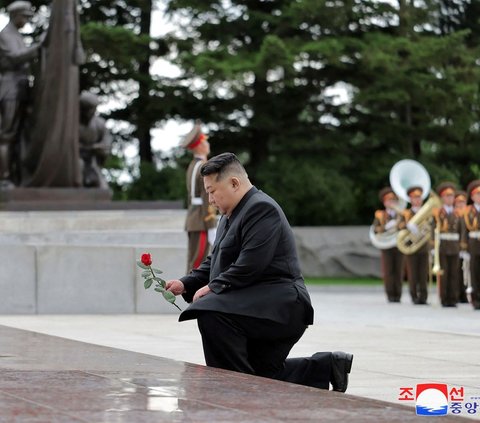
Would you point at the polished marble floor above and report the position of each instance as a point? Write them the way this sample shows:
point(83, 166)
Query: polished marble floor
point(51, 379)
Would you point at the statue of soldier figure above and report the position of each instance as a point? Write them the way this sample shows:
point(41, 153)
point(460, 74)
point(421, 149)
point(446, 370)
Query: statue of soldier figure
point(14, 72)
point(95, 142)
point(60, 142)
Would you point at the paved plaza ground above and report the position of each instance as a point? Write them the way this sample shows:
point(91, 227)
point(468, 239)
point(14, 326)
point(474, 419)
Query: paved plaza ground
point(394, 345)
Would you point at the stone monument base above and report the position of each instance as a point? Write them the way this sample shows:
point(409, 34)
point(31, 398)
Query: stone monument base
point(84, 262)
point(37, 199)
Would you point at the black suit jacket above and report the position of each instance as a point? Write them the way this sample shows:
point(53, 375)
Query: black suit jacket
point(253, 269)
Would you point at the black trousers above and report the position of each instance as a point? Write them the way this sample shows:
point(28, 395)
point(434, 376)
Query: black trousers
point(260, 347)
point(449, 279)
point(417, 267)
point(392, 269)
point(475, 279)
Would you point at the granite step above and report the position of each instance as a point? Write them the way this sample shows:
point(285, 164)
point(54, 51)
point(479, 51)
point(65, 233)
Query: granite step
point(46, 378)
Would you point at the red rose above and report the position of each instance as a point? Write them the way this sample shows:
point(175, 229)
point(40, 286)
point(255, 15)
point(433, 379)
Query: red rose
point(146, 259)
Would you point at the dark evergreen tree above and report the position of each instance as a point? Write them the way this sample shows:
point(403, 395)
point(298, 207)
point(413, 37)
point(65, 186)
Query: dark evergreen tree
point(318, 98)
point(268, 75)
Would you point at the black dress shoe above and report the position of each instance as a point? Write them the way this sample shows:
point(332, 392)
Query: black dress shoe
point(341, 366)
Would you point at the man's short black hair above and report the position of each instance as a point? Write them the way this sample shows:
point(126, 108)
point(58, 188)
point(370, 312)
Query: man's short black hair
point(222, 165)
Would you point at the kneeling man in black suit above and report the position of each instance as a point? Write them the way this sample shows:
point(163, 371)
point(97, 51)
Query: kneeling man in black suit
point(249, 296)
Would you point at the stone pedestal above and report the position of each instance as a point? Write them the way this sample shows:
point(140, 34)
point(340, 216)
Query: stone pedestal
point(76, 262)
point(23, 199)
point(85, 261)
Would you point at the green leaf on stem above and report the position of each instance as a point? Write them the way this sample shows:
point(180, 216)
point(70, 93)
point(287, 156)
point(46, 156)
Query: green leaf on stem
point(148, 283)
point(140, 264)
point(156, 270)
point(160, 281)
point(169, 296)
point(146, 273)
point(159, 289)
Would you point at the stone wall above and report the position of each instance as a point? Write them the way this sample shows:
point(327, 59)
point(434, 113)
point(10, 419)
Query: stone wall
point(85, 262)
point(343, 251)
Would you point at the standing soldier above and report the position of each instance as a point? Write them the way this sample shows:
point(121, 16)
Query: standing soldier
point(386, 222)
point(417, 262)
point(201, 217)
point(448, 229)
point(460, 207)
point(472, 223)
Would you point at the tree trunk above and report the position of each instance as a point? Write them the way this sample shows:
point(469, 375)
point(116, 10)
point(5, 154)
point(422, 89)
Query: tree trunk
point(144, 122)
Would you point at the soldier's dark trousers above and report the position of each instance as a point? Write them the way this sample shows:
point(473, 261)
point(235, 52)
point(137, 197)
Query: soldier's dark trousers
point(392, 270)
point(475, 279)
point(449, 279)
point(417, 267)
point(198, 249)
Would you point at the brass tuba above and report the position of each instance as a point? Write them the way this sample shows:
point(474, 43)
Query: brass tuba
point(405, 174)
point(388, 239)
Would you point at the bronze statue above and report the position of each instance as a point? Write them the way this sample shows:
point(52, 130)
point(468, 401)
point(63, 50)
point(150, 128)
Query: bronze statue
point(14, 72)
point(52, 157)
point(95, 142)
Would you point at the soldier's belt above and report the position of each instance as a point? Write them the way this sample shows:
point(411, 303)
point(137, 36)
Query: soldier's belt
point(474, 234)
point(450, 237)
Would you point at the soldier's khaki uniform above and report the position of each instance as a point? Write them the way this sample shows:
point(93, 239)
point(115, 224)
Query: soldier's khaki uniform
point(417, 268)
point(460, 208)
point(450, 232)
point(472, 224)
point(200, 216)
point(392, 258)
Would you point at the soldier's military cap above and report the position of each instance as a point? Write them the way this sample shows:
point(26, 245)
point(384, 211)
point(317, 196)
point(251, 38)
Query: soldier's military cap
point(414, 191)
point(386, 193)
point(446, 188)
point(194, 137)
point(20, 6)
point(473, 187)
point(460, 196)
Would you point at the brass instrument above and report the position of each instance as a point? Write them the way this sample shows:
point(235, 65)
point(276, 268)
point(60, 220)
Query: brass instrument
point(409, 242)
point(405, 174)
point(387, 239)
point(436, 270)
point(467, 278)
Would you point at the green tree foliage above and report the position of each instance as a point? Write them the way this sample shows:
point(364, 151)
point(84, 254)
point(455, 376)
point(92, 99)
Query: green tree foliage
point(167, 183)
point(268, 71)
point(318, 98)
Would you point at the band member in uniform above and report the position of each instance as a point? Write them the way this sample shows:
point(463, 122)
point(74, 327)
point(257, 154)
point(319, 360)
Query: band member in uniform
point(448, 229)
point(201, 218)
point(417, 263)
point(386, 221)
point(459, 206)
point(472, 223)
